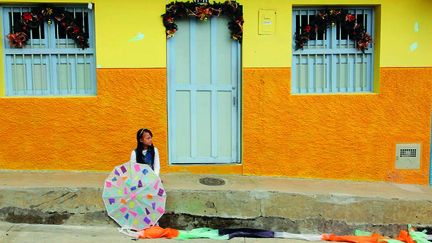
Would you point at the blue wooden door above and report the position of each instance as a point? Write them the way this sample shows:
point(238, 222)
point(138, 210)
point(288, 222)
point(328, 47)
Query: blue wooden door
point(203, 95)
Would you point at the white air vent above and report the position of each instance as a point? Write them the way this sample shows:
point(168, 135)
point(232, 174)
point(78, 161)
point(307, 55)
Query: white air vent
point(408, 156)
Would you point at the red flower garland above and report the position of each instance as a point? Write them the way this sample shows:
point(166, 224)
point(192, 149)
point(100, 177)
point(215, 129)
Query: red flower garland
point(181, 10)
point(325, 19)
point(31, 20)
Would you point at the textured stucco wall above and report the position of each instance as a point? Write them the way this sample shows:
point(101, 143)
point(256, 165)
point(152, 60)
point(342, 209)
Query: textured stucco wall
point(335, 136)
point(91, 133)
point(315, 136)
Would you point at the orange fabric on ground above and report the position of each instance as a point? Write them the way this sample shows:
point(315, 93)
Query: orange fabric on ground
point(405, 237)
point(354, 239)
point(158, 232)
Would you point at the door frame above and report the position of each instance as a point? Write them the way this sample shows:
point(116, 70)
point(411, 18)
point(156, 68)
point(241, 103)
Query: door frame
point(171, 94)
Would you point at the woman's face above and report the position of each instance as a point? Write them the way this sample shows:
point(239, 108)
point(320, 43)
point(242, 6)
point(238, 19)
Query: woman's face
point(146, 139)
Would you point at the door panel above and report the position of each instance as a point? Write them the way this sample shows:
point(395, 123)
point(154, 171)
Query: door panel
point(203, 77)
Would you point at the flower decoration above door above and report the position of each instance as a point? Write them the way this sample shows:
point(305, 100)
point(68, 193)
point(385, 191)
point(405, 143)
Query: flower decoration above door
point(203, 11)
point(31, 20)
point(329, 17)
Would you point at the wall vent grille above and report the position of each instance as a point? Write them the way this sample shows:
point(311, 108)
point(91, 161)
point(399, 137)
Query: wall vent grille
point(408, 156)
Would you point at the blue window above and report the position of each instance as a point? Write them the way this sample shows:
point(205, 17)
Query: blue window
point(331, 63)
point(50, 64)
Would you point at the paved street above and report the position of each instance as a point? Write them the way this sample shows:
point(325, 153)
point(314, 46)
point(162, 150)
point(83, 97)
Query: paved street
point(37, 233)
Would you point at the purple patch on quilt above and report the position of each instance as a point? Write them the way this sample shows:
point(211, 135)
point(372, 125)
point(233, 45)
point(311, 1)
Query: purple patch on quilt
point(161, 191)
point(123, 169)
point(147, 220)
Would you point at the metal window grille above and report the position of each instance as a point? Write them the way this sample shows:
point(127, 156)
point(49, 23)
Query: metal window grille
point(51, 63)
point(331, 63)
point(408, 153)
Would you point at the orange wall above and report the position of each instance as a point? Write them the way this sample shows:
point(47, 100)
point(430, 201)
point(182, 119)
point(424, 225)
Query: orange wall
point(317, 136)
point(335, 136)
point(90, 133)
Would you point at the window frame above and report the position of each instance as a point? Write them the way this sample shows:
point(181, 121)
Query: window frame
point(329, 55)
point(48, 55)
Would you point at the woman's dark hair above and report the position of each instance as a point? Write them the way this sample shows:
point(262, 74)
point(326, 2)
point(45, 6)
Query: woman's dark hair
point(140, 147)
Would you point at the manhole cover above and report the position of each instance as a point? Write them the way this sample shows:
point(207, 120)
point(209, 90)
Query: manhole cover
point(208, 181)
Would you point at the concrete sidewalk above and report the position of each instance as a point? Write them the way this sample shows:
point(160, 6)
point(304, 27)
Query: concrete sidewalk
point(38, 233)
point(274, 203)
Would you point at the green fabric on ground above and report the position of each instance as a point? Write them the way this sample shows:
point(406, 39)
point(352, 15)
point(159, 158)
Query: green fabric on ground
point(419, 237)
point(201, 233)
point(358, 232)
point(392, 241)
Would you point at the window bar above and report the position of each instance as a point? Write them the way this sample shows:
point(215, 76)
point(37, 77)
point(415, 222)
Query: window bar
point(13, 55)
point(15, 73)
point(348, 80)
point(57, 41)
point(324, 79)
point(324, 38)
point(67, 64)
point(355, 54)
point(362, 58)
point(50, 74)
point(31, 38)
point(308, 80)
point(85, 57)
point(75, 82)
point(355, 23)
point(40, 37)
point(339, 29)
point(307, 19)
point(315, 72)
point(12, 17)
point(41, 57)
point(317, 33)
point(348, 36)
point(24, 65)
point(32, 62)
point(339, 80)
point(316, 56)
point(300, 55)
point(339, 44)
point(32, 67)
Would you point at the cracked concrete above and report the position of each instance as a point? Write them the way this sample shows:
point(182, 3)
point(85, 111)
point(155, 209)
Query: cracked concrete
point(298, 206)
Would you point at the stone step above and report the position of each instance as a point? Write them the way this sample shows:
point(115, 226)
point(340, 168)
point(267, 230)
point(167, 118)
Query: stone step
point(273, 203)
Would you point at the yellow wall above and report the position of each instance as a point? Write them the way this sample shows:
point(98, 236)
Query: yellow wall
point(117, 23)
point(397, 26)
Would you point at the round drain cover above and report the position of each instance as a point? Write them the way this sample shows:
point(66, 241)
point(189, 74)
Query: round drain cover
point(208, 181)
